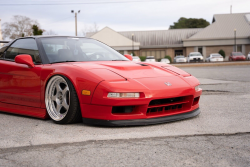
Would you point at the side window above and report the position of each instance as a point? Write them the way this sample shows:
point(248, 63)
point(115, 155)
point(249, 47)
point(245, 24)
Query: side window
point(23, 46)
point(2, 52)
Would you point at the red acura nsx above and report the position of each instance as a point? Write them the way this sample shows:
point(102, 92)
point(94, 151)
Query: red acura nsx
point(70, 79)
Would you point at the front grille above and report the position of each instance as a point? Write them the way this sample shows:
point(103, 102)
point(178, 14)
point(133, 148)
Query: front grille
point(196, 59)
point(169, 105)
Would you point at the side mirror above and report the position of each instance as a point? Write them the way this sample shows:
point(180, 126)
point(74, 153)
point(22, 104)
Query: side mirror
point(129, 57)
point(24, 59)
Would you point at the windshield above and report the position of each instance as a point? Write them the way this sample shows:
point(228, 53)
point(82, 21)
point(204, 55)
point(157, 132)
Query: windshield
point(179, 56)
point(69, 49)
point(237, 54)
point(195, 54)
point(150, 57)
point(216, 55)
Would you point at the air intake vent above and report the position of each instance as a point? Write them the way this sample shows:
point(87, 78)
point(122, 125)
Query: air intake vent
point(170, 105)
point(142, 64)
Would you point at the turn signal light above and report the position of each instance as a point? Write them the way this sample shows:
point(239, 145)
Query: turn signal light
point(86, 92)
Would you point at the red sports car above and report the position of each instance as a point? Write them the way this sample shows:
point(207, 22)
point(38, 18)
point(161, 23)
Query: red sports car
point(71, 79)
point(236, 56)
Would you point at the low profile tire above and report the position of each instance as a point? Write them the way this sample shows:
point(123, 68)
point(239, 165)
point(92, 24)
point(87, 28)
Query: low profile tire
point(61, 101)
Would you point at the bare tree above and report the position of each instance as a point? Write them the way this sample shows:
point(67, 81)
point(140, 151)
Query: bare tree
point(49, 32)
point(90, 29)
point(18, 27)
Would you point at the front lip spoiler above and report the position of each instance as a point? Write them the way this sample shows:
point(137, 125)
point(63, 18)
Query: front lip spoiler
point(140, 122)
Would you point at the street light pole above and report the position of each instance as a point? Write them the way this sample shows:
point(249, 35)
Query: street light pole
point(235, 40)
point(132, 44)
point(72, 11)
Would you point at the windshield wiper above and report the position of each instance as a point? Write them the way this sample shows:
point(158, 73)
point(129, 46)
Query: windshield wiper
point(63, 61)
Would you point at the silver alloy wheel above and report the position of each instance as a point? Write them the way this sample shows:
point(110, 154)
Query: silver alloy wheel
point(57, 98)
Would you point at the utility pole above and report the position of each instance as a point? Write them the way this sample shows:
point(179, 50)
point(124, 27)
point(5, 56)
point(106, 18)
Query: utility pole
point(72, 11)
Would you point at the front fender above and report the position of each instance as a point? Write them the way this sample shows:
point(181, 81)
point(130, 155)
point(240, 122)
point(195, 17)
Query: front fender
point(80, 78)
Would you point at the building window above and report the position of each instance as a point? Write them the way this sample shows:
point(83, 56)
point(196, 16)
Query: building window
point(178, 52)
point(239, 48)
point(200, 50)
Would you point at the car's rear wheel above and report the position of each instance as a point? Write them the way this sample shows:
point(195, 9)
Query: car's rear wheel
point(61, 101)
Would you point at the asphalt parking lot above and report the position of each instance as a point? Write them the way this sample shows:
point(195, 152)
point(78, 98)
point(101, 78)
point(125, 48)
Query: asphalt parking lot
point(219, 136)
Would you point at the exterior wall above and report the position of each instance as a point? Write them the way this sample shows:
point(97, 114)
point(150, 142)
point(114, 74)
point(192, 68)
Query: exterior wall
point(243, 48)
point(204, 51)
point(247, 49)
point(215, 49)
point(136, 52)
point(157, 53)
point(188, 50)
point(170, 52)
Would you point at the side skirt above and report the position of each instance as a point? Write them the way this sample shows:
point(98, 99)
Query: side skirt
point(23, 110)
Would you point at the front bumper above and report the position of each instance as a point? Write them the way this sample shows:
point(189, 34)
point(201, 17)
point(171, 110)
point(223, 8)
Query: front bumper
point(196, 60)
point(138, 122)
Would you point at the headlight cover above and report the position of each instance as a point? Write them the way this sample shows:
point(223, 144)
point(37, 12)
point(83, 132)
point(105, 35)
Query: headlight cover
point(197, 88)
point(123, 95)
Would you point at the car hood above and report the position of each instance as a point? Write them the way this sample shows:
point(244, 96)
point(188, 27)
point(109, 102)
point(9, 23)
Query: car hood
point(126, 69)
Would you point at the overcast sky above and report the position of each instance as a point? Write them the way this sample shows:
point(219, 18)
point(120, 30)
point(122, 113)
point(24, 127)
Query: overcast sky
point(145, 15)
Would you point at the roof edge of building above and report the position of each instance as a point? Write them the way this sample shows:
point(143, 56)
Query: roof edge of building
point(160, 30)
point(205, 39)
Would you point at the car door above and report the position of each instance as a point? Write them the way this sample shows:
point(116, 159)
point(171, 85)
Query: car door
point(20, 84)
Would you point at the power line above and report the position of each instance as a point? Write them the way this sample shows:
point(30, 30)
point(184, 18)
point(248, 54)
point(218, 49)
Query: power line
point(82, 3)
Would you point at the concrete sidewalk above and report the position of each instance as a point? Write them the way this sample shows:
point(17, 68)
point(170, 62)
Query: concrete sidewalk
point(212, 64)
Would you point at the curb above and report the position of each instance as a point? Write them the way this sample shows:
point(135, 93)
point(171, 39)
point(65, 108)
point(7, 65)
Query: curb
point(212, 64)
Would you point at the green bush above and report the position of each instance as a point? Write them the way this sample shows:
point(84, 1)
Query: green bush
point(169, 58)
point(222, 53)
point(143, 58)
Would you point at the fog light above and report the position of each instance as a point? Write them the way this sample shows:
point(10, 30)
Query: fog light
point(197, 88)
point(124, 95)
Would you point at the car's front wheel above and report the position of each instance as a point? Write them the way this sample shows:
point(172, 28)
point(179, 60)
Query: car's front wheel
point(61, 101)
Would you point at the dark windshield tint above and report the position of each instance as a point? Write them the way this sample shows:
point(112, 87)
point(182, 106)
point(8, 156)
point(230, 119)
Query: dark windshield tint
point(195, 54)
point(66, 49)
point(150, 57)
point(2, 51)
point(237, 54)
point(23, 46)
point(216, 55)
